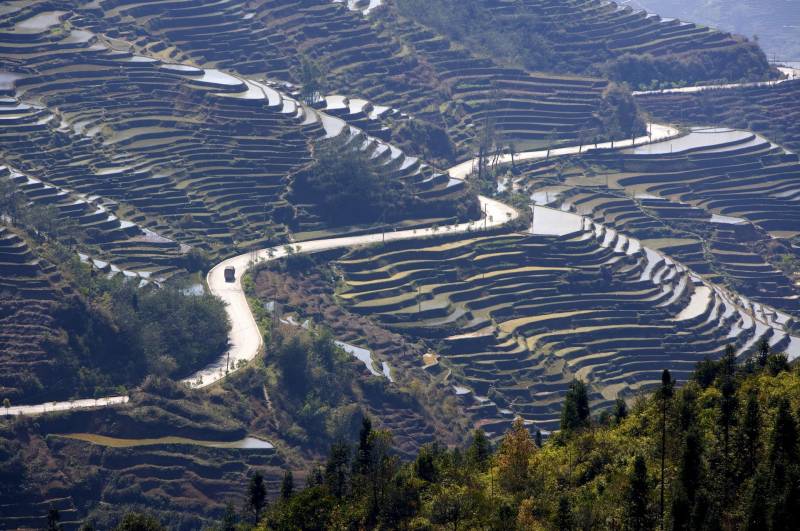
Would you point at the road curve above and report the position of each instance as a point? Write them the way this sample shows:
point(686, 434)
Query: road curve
point(791, 74)
point(245, 339)
point(656, 133)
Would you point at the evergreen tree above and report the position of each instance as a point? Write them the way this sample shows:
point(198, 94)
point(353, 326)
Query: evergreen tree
point(637, 496)
point(665, 395)
point(784, 461)
point(728, 406)
point(287, 485)
point(750, 436)
point(480, 450)
point(257, 495)
point(363, 454)
point(425, 466)
point(689, 479)
point(538, 438)
point(337, 469)
point(783, 449)
point(705, 372)
point(575, 411)
point(564, 519)
point(620, 410)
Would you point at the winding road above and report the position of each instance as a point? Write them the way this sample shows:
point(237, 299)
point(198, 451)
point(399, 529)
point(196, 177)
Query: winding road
point(791, 74)
point(245, 339)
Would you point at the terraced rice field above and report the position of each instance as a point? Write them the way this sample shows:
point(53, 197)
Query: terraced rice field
point(592, 31)
point(193, 151)
point(198, 156)
point(771, 111)
point(186, 486)
point(31, 290)
point(719, 201)
point(386, 60)
point(518, 316)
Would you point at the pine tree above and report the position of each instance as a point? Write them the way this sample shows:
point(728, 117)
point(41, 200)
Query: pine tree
point(424, 465)
point(257, 495)
point(287, 485)
point(480, 450)
point(750, 436)
point(363, 454)
point(784, 461)
point(783, 449)
point(637, 496)
point(689, 480)
point(620, 410)
point(728, 405)
point(337, 469)
point(564, 518)
point(575, 411)
point(665, 395)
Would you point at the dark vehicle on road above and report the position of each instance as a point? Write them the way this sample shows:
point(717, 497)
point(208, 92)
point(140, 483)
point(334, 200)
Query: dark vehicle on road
point(230, 274)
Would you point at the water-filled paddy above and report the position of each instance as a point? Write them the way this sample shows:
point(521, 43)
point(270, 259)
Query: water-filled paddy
point(697, 138)
point(550, 222)
point(40, 22)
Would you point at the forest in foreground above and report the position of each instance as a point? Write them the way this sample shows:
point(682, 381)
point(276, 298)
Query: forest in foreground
point(721, 452)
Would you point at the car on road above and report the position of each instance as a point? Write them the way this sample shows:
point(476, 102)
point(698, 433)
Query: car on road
point(230, 274)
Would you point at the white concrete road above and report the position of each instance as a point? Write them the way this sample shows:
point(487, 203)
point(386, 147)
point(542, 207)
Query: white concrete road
point(790, 73)
point(657, 133)
point(49, 407)
point(245, 339)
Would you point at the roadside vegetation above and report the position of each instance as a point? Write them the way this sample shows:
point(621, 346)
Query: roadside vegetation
point(109, 333)
point(349, 186)
point(117, 333)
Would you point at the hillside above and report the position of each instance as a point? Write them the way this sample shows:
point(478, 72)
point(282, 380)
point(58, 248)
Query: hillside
point(774, 22)
point(236, 236)
point(723, 450)
point(69, 332)
point(594, 38)
point(772, 113)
